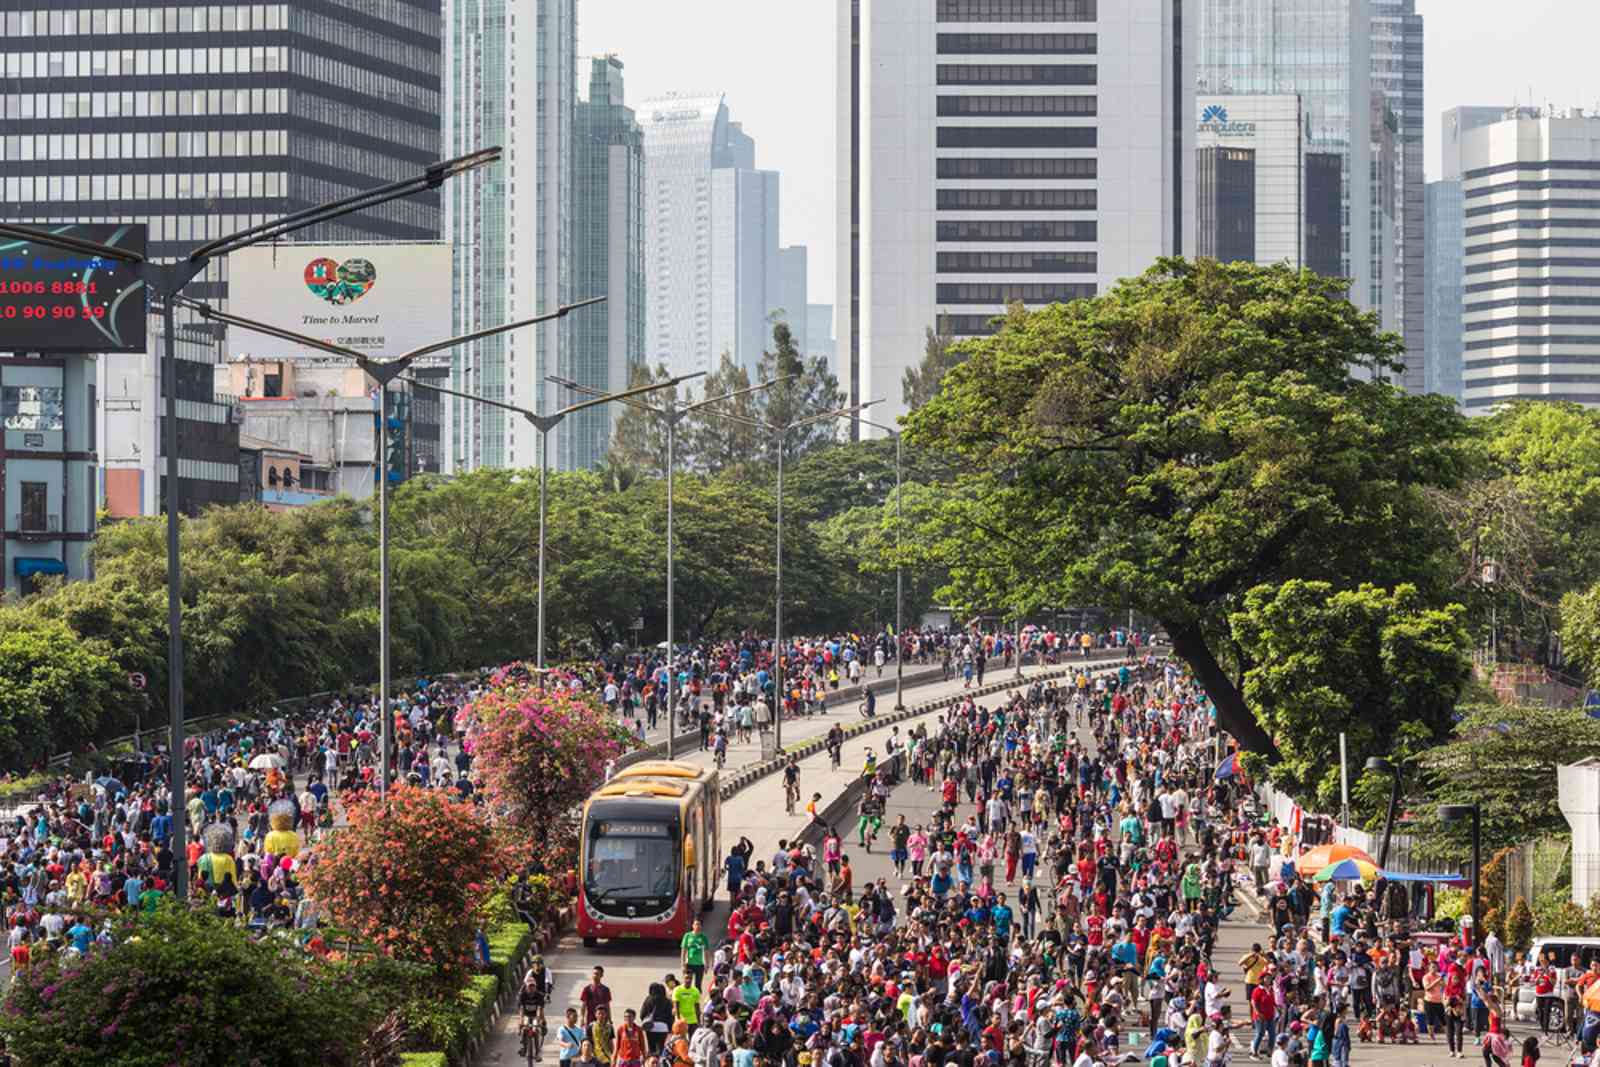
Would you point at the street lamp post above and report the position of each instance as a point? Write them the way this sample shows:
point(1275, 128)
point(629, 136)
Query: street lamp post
point(672, 414)
point(384, 372)
point(899, 581)
point(1450, 813)
point(1383, 766)
point(167, 281)
point(780, 436)
point(544, 424)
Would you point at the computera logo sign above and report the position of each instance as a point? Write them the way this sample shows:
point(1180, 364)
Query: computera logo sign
point(1214, 120)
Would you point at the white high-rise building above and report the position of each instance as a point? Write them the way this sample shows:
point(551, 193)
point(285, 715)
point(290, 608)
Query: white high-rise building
point(991, 151)
point(510, 80)
point(1531, 299)
point(711, 248)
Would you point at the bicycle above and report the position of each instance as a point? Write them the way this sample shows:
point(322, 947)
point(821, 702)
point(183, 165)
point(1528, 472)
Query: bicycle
point(791, 796)
point(534, 1029)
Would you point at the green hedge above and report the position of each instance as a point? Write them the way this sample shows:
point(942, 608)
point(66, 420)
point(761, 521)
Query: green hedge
point(423, 1059)
point(470, 1018)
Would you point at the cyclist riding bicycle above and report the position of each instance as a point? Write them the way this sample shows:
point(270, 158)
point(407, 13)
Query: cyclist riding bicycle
point(537, 985)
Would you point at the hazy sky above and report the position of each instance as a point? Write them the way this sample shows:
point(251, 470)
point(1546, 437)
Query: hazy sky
point(775, 61)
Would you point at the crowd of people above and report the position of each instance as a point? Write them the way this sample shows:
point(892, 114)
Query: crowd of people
point(727, 687)
point(1061, 906)
point(257, 794)
point(90, 846)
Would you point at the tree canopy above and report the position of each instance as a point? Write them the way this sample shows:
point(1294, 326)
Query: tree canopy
point(1187, 436)
point(1364, 662)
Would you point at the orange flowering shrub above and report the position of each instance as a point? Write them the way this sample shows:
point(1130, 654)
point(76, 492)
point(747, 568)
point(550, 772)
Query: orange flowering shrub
point(412, 874)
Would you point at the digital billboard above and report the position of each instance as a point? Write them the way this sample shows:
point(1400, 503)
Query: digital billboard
point(52, 300)
point(379, 299)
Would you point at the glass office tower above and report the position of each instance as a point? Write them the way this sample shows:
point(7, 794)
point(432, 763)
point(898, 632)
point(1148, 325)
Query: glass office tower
point(1320, 50)
point(607, 255)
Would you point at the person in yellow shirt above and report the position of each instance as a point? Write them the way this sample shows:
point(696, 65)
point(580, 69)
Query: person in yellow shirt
point(77, 887)
point(1254, 964)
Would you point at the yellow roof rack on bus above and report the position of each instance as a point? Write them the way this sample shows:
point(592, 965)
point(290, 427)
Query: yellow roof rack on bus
point(641, 787)
point(660, 768)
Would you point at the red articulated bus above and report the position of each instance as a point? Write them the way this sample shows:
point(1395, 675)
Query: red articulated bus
point(648, 855)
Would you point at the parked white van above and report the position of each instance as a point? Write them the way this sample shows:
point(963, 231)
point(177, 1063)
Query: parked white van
point(1587, 949)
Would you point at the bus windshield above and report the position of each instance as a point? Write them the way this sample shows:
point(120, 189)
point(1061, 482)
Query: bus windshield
point(632, 860)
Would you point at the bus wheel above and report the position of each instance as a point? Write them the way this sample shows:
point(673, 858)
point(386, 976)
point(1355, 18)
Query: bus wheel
point(591, 942)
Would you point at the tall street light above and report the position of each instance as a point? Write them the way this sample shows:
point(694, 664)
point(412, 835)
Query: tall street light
point(384, 372)
point(1382, 766)
point(780, 436)
point(167, 281)
point(544, 424)
point(1452, 813)
point(899, 583)
point(672, 414)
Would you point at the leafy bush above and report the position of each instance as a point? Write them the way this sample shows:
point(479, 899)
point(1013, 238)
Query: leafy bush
point(1519, 926)
point(423, 1059)
point(540, 751)
point(180, 986)
point(380, 876)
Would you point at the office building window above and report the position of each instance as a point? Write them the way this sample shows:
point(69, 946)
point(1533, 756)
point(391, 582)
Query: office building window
point(1017, 136)
point(1016, 74)
point(34, 515)
point(1018, 105)
point(999, 168)
point(1015, 44)
point(1019, 230)
point(1017, 200)
point(1009, 292)
point(31, 407)
point(1016, 263)
point(1017, 10)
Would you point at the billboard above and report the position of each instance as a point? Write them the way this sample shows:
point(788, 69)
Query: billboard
point(52, 300)
point(379, 299)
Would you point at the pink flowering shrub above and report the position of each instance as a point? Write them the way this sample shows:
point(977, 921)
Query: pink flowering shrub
point(539, 753)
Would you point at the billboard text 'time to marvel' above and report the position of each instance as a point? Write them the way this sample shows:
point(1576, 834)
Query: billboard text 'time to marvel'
point(52, 300)
point(379, 299)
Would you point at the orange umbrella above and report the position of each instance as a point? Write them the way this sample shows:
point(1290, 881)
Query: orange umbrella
point(1310, 862)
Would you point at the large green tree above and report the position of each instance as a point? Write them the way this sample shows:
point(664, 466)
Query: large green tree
point(1360, 662)
point(55, 689)
point(1503, 757)
point(1187, 436)
point(1527, 523)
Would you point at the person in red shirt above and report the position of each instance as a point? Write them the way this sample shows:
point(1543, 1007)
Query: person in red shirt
point(1264, 1014)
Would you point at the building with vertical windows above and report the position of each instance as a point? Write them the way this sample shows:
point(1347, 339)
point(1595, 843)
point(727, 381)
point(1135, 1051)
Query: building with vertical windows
point(1319, 51)
point(1531, 295)
point(711, 248)
point(1397, 78)
point(793, 263)
point(1444, 250)
point(1262, 194)
point(200, 120)
point(992, 151)
point(510, 79)
point(607, 255)
point(48, 488)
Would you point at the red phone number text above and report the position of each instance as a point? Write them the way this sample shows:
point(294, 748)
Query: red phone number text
point(46, 312)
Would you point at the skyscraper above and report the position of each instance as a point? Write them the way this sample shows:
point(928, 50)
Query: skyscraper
point(1531, 190)
point(1397, 75)
point(608, 256)
point(793, 263)
point(1444, 259)
point(510, 224)
point(711, 246)
point(1318, 50)
point(991, 151)
point(201, 120)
